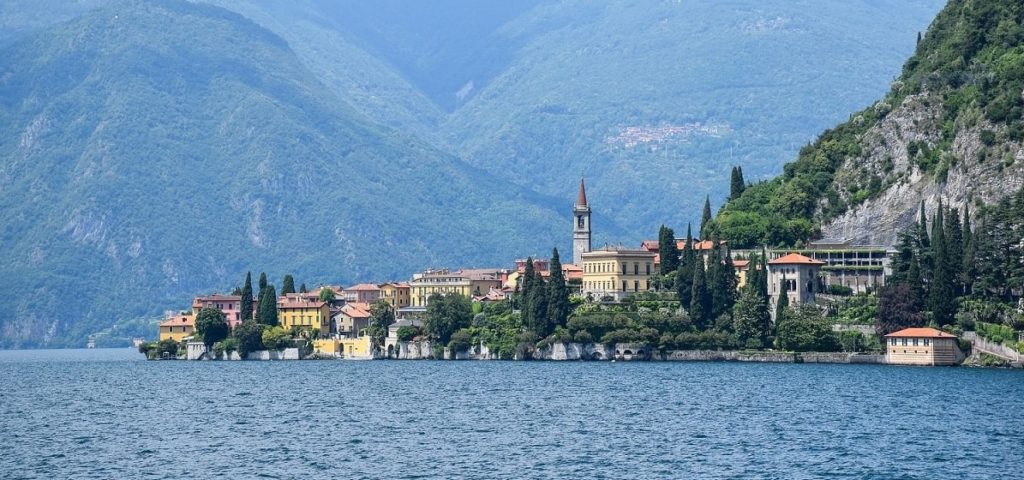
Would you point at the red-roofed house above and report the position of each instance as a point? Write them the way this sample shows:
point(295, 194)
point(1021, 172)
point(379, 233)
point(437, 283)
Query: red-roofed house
point(353, 318)
point(304, 314)
point(230, 305)
point(362, 293)
point(921, 346)
point(796, 276)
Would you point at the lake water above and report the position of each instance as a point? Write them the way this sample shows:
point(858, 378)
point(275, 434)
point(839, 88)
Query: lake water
point(109, 414)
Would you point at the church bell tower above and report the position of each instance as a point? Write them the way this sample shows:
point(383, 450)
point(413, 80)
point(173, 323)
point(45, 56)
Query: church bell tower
point(580, 226)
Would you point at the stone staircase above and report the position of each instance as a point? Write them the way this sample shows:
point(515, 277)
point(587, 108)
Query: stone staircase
point(979, 344)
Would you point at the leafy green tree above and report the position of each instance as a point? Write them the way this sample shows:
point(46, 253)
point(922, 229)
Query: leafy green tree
point(558, 293)
point(245, 305)
point(211, 324)
point(381, 317)
point(276, 338)
point(898, 308)
point(326, 294)
point(446, 314)
point(268, 306)
point(700, 299)
point(461, 341)
point(804, 329)
point(751, 318)
point(249, 335)
point(288, 285)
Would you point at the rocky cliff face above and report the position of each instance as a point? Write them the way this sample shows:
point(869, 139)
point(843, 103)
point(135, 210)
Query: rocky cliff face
point(981, 170)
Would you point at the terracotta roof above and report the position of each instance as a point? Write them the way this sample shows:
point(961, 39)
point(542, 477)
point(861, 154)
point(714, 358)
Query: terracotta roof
point(795, 258)
point(649, 245)
point(740, 263)
point(356, 309)
point(179, 320)
point(363, 287)
point(921, 333)
point(581, 198)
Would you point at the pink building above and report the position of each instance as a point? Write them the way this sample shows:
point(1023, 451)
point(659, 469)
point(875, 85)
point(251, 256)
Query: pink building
point(229, 304)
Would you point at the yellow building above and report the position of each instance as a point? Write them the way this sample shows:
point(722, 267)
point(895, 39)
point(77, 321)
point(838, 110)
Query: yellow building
point(921, 346)
point(352, 348)
point(178, 326)
point(303, 313)
point(396, 294)
point(467, 283)
point(616, 272)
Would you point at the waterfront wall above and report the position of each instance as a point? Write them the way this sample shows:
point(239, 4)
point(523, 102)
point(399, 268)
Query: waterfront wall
point(632, 352)
point(286, 354)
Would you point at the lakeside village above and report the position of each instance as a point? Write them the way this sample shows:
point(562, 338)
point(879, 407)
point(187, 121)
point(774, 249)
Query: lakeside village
point(668, 299)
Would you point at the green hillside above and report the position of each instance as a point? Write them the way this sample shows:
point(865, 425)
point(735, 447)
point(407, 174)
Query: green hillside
point(956, 109)
point(164, 148)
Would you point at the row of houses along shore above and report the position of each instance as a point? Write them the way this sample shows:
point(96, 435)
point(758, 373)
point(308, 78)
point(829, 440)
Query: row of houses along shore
point(606, 274)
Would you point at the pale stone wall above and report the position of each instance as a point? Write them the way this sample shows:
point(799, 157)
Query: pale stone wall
point(286, 354)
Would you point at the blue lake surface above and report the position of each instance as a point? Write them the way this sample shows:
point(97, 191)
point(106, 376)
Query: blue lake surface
point(109, 414)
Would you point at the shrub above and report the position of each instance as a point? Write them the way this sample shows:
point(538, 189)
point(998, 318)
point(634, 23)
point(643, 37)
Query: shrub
point(583, 336)
point(461, 341)
point(276, 338)
point(841, 290)
point(407, 333)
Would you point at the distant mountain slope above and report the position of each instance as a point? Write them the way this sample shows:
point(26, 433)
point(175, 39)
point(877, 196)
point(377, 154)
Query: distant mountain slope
point(950, 129)
point(160, 148)
point(654, 102)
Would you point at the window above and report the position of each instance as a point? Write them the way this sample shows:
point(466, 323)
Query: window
point(636, 286)
point(892, 341)
point(636, 269)
point(915, 342)
point(927, 341)
point(623, 268)
point(648, 269)
point(623, 285)
point(904, 342)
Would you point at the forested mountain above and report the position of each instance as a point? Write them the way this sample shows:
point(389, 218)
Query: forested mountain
point(152, 150)
point(163, 148)
point(950, 130)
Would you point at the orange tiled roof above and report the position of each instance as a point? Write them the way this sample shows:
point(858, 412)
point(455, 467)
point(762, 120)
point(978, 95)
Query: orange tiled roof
point(921, 333)
point(363, 287)
point(740, 263)
point(356, 309)
point(291, 302)
point(178, 321)
point(649, 245)
point(795, 258)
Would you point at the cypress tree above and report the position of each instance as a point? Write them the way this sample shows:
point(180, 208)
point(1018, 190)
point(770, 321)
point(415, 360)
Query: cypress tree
point(538, 306)
point(526, 282)
point(700, 299)
point(726, 288)
point(288, 285)
point(942, 295)
point(245, 306)
point(302, 288)
point(967, 268)
point(684, 274)
point(742, 182)
point(913, 282)
point(706, 217)
point(669, 258)
point(736, 184)
point(558, 293)
point(268, 306)
point(954, 248)
point(263, 281)
point(783, 303)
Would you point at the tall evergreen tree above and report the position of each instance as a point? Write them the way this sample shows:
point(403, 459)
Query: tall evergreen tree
point(538, 306)
point(967, 268)
point(288, 285)
point(705, 217)
point(263, 281)
point(751, 318)
point(783, 303)
point(668, 252)
point(558, 293)
point(942, 296)
point(721, 279)
point(245, 305)
point(736, 184)
point(954, 248)
point(700, 299)
point(302, 288)
point(268, 306)
point(684, 273)
point(914, 284)
point(525, 282)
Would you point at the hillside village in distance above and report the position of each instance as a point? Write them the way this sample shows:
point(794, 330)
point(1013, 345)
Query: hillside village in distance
point(392, 319)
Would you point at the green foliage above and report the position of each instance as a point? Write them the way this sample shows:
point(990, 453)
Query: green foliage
point(803, 328)
point(211, 325)
point(287, 285)
point(997, 333)
point(268, 306)
point(407, 333)
point(751, 319)
point(245, 306)
point(326, 295)
point(381, 317)
point(447, 314)
point(557, 294)
point(860, 309)
point(249, 337)
point(276, 338)
point(460, 341)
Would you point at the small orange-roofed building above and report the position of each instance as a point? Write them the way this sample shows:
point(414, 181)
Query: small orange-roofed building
point(177, 327)
point(921, 346)
point(304, 314)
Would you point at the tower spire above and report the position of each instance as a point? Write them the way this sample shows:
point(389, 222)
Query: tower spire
point(581, 198)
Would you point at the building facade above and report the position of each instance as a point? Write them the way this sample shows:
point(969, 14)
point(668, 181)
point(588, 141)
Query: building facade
point(352, 319)
point(362, 293)
point(466, 282)
point(616, 272)
point(177, 327)
point(580, 226)
point(304, 314)
point(795, 276)
point(230, 305)
point(396, 294)
point(921, 346)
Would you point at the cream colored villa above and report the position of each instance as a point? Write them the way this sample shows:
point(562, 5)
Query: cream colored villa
point(921, 346)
